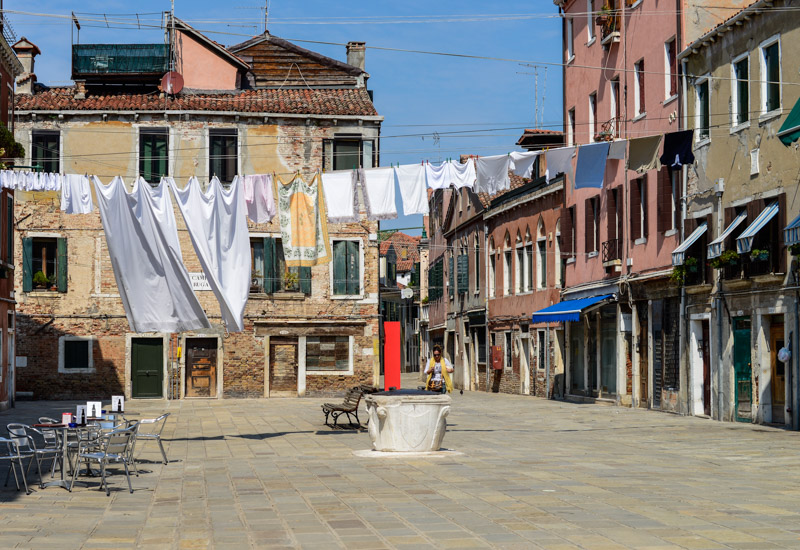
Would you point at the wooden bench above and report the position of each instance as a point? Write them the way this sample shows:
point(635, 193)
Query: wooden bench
point(349, 407)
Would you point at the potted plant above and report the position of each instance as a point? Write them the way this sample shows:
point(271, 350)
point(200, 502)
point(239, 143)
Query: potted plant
point(678, 275)
point(40, 280)
point(729, 257)
point(691, 265)
point(759, 255)
point(425, 300)
point(291, 281)
point(52, 282)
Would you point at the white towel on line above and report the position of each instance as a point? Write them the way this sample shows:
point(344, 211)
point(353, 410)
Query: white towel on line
point(437, 175)
point(218, 228)
point(340, 195)
point(493, 174)
point(462, 174)
point(523, 162)
point(413, 191)
point(559, 161)
point(76, 194)
point(379, 186)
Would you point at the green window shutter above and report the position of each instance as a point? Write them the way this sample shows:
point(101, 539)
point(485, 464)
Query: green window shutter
point(304, 273)
point(463, 274)
point(451, 288)
point(440, 279)
point(415, 275)
point(271, 282)
point(340, 268)
point(353, 271)
point(27, 264)
point(61, 244)
point(10, 229)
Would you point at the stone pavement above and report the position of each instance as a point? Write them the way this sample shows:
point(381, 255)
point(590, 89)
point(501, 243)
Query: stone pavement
point(533, 474)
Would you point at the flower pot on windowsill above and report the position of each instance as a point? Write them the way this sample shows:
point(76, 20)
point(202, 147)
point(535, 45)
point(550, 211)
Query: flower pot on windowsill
point(759, 255)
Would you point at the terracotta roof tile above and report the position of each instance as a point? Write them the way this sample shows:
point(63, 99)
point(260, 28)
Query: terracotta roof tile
point(338, 101)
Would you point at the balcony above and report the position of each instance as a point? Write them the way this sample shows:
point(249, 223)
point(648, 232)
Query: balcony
point(761, 260)
point(612, 253)
point(609, 23)
point(120, 60)
point(424, 313)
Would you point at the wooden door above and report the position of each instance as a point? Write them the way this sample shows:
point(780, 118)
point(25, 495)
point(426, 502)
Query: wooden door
point(776, 342)
point(742, 369)
point(283, 368)
point(147, 367)
point(644, 354)
point(704, 350)
point(201, 367)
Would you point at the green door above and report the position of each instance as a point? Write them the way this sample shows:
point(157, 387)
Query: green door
point(147, 367)
point(577, 383)
point(742, 370)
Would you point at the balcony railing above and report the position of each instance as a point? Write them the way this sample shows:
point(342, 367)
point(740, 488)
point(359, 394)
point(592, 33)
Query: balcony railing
point(119, 59)
point(752, 264)
point(612, 250)
point(424, 313)
point(609, 22)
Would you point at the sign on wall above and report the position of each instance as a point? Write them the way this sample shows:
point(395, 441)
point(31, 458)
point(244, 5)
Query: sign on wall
point(199, 281)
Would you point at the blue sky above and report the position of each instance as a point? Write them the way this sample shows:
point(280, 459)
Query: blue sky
point(430, 96)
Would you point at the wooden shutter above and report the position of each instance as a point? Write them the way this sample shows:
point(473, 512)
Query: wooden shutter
point(61, 255)
point(636, 211)
point(566, 231)
point(463, 274)
point(643, 206)
point(27, 264)
point(642, 107)
point(451, 288)
point(304, 274)
point(340, 267)
point(589, 229)
point(611, 213)
point(353, 269)
point(664, 194)
point(9, 229)
point(271, 282)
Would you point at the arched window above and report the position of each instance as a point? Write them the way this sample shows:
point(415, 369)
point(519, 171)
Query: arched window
point(559, 262)
point(507, 276)
point(541, 256)
point(519, 278)
point(492, 268)
point(477, 266)
point(528, 261)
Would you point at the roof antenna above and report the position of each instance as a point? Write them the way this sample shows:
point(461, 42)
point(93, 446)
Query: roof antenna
point(266, 15)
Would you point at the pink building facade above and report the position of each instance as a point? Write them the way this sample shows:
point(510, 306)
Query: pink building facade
point(621, 81)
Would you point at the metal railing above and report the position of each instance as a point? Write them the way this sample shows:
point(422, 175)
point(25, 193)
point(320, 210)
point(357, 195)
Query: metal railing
point(612, 250)
point(96, 59)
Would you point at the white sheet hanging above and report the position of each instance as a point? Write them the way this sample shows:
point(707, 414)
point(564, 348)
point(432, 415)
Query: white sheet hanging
point(340, 195)
point(462, 174)
point(379, 186)
point(142, 239)
point(437, 175)
point(218, 228)
point(8, 179)
point(258, 197)
point(559, 161)
point(493, 174)
point(76, 194)
point(413, 191)
point(523, 162)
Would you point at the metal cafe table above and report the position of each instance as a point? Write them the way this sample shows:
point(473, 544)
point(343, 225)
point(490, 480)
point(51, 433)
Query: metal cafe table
point(64, 429)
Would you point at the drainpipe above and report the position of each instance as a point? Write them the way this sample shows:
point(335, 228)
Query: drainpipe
point(794, 397)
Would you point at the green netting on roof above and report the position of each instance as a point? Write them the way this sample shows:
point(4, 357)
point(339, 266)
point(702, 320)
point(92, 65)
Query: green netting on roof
point(120, 58)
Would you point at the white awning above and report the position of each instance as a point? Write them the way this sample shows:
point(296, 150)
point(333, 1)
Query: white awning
point(791, 234)
point(679, 253)
point(715, 247)
point(745, 241)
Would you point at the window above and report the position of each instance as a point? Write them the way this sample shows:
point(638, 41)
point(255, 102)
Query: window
point(435, 280)
point(223, 154)
point(463, 272)
point(529, 265)
point(638, 87)
point(771, 75)
point(542, 344)
point(44, 264)
point(740, 90)
point(639, 209)
point(668, 199)
point(614, 106)
point(346, 268)
point(269, 272)
point(592, 225)
point(329, 354)
point(570, 47)
point(477, 277)
point(571, 127)
point(75, 355)
point(670, 70)
point(508, 350)
point(592, 116)
point(702, 114)
point(153, 153)
point(46, 150)
point(561, 260)
point(589, 19)
point(520, 266)
point(492, 269)
point(541, 257)
point(348, 153)
point(9, 229)
point(507, 273)
point(451, 285)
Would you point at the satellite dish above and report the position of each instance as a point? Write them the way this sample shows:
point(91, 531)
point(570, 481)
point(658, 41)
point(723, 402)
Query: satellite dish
point(172, 83)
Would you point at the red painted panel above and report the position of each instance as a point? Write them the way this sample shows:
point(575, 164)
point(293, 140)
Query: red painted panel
point(391, 355)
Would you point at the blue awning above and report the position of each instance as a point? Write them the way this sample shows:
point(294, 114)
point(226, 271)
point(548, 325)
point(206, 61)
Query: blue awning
point(715, 246)
point(745, 241)
point(568, 310)
point(679, 253)
point(791, 234)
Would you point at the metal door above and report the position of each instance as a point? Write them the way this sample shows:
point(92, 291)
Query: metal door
point(201, 367)
point(147, 367)
point(742, 369)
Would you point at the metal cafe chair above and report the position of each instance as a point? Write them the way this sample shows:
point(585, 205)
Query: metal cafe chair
point(13, 456)
point(150, 429)
point(114, 448)
point(27, 448)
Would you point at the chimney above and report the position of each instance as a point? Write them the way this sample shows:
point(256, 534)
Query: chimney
point(26, 51)
point(355, 54)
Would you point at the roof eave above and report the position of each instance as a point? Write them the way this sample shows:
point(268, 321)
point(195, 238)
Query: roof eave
point(722, 28)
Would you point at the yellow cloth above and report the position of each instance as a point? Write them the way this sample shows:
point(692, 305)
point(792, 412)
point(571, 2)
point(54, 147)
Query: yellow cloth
point(446, 375)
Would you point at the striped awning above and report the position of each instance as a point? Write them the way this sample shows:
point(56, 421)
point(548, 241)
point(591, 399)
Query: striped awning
point(791, 234)
point(745, 241)
point(568, 310)
point(679, 253)
point(715, 247)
